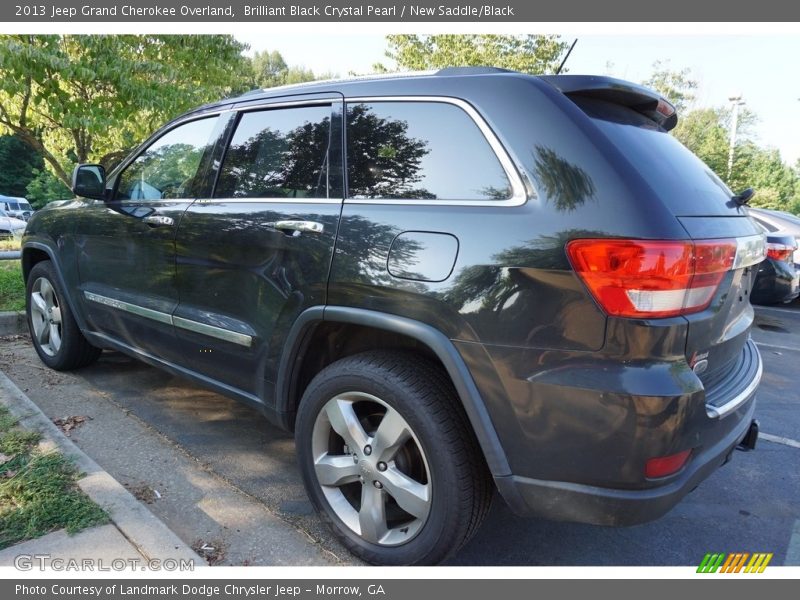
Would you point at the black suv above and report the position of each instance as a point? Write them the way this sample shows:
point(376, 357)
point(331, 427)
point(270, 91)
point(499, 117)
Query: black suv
point(444, 284)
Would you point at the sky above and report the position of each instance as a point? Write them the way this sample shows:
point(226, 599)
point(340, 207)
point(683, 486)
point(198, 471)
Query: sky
point(762, 68)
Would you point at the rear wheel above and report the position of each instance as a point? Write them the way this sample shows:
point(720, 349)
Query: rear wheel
point(389, 460)
point(56, 337)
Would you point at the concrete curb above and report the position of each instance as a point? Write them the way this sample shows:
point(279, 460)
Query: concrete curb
point(145, 531)
point(13, 323)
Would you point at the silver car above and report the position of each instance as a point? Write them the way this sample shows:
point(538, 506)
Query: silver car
point(10, 227)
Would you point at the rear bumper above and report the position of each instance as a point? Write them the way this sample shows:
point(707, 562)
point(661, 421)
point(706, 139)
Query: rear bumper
point(565, 501)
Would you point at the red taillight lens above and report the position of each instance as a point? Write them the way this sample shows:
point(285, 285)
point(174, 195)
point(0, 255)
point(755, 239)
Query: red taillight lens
point(780, 252)
point(666, 465)
point(650, 279)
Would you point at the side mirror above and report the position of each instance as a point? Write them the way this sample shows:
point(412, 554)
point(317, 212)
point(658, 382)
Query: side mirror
point(89, 181)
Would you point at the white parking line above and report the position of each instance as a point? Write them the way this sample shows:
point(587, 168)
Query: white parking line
point(791, 311)
point(790, 348)
point(776, 439)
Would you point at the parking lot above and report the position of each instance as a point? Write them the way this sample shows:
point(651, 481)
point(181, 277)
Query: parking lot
point(216, 471)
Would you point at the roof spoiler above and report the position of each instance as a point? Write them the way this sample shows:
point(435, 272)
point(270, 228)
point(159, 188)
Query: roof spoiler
point(639, 98)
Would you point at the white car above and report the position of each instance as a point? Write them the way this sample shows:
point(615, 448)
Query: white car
point(18, 208)
point(10, 227)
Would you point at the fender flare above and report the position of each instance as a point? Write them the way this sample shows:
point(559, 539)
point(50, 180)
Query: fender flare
point(53, 257)
point(434, 339)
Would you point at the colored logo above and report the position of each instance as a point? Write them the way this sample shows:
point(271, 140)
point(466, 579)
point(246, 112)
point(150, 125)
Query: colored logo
point(735, 562)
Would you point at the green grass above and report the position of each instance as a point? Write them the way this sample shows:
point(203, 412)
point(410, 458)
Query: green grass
point(12, 288)
point(37, 489)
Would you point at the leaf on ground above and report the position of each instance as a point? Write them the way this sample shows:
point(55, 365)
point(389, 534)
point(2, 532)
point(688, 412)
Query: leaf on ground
point(4, 458)
point(67, 424)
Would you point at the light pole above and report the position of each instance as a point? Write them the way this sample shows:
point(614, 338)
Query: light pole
point(737, 101)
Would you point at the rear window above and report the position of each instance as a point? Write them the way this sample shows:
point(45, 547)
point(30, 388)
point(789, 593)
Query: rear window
point(683, 182)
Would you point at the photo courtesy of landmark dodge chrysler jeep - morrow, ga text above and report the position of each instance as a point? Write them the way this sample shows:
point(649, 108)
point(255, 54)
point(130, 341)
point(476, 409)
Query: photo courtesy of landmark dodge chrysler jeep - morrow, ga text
point(444, 284)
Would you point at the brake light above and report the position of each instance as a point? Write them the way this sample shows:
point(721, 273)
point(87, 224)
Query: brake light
point(652, 279)
point(780, 252)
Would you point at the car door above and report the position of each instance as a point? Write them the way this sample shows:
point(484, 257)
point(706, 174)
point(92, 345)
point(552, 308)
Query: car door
point(257, 252)
point(126, 244)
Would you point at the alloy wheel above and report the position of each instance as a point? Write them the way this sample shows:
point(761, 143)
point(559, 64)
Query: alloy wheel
point(45, 316)
point(371, 469)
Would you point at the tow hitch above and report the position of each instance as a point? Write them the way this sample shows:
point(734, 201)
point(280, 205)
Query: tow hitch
point(749, 440)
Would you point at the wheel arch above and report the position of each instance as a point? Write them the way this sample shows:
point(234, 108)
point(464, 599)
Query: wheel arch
point(34, 252)
point(289, 384)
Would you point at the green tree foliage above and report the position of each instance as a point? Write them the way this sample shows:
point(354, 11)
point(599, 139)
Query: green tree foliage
point(271, 70)
point(45, 187)
point(676, 86)
point(535, 54)
point(707, 133)
point(703, 131)
point(79, 98)
point(18, 162)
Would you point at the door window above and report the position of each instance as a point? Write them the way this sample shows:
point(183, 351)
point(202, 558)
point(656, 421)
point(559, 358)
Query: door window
point(169, 167)
point(278, 153)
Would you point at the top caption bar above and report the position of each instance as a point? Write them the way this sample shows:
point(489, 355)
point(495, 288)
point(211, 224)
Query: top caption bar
point(420, 11)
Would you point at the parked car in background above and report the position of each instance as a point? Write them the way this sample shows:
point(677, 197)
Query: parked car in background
point(777, 276)
point(775, 220)
point(444, 284)
point(19, 208)
point(10, 227)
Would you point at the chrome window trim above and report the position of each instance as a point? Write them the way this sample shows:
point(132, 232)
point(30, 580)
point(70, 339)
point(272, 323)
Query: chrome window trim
point(227, 335)
point(518, 194)
point(209, 201)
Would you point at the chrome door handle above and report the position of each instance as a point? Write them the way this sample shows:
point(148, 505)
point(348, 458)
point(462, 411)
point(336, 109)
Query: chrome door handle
point(159, 220)
point(299, 226)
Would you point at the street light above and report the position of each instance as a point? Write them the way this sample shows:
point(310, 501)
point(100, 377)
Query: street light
point(737, 101)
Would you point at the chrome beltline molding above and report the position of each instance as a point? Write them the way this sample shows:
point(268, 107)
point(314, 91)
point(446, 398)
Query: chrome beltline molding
point(220, 333)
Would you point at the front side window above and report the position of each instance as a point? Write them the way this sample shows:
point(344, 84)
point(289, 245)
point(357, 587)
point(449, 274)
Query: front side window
point(278, 153)
point(169, 167)
point(420, 150)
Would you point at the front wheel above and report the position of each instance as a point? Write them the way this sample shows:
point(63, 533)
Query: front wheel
point(56, 336)
point(389, 460)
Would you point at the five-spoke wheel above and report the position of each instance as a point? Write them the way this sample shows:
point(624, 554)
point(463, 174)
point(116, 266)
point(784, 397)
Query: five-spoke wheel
point(389, 460)
point(372, 469)
point(45, 316)
point(56, 336)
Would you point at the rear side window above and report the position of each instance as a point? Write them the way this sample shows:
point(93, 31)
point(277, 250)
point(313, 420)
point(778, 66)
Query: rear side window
point(681, 180)
point(420, 150)
point(278, 153)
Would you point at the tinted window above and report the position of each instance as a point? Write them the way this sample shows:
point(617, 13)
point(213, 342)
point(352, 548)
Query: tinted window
point(169, 166)
point(682, 180)
point(427, 150)
point(279, 153)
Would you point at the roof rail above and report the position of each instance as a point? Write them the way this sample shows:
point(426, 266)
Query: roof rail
point(395, 75)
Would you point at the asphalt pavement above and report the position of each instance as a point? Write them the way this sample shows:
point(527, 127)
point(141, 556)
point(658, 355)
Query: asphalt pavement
point(226, 478)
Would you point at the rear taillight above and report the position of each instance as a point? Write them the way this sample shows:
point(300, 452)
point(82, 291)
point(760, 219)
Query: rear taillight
point(653, 279)
point(780, 252)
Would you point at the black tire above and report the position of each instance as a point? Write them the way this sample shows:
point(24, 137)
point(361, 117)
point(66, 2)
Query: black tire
point(460, 488)
point(73, 350)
